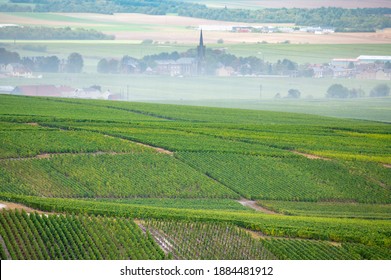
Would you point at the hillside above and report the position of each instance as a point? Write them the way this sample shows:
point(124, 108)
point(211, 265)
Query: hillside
point(251, 184)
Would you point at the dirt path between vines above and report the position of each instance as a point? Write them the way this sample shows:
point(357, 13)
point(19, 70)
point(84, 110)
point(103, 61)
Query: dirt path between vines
point(11, 206)
point(159, 150)
point(310, 156)
point(160, 239)
point(253, 205)
point(49, 155)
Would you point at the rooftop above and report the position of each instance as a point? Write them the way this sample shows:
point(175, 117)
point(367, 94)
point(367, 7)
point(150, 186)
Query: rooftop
point(374, 57)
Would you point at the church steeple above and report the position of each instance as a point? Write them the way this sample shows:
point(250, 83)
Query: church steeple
point(201, 48)
point(201, 55)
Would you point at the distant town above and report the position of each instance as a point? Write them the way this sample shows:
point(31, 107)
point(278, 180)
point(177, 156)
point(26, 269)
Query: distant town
point(195, 62)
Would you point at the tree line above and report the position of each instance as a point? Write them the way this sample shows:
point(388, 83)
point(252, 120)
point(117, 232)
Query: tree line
point(49, 33)
point(344, 20)
point(214, 59)
point(340, 91)
point(73, 64)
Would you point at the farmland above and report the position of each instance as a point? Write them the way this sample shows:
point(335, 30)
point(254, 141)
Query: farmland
point(173, 29)
point(257, 4)
point(172, 176)
point(172, 33)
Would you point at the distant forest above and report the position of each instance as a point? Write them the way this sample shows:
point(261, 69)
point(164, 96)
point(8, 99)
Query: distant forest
point(343, 20)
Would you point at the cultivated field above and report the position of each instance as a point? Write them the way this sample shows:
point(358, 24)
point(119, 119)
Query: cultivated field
point(170, 28)
point(259, 4)
point(120, 180)
point(366, 108)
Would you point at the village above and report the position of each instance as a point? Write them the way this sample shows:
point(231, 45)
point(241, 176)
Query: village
point(201, 61)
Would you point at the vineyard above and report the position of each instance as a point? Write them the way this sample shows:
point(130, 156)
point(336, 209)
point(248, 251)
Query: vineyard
point(147, 181)
point(287, 249)
point(330, 209)
point(72, 237)
point(294, 178)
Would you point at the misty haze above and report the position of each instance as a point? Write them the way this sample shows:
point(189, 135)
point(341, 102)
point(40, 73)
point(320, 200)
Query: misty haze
point(195, 130)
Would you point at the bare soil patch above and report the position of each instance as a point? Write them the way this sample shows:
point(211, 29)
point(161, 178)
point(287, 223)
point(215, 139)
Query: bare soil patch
point(310, 156)
point(33, 124)
point(12, 206)
point(159, 150)
point(253, 205)
point(43, 156)
point(387, 165)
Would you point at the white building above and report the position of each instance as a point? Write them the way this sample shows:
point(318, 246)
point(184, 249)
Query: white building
point(373, 59)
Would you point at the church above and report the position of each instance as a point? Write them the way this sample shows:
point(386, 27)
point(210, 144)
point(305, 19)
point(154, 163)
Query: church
point(184, 66)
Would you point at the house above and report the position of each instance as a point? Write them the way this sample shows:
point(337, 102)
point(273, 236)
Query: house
point(224, 71)
point(6, 89)
point(114, 96)
point(16, 70)
point(130, 66)
point(167, 67)
point(344, 62)
point(89, 93)
point(342, 72)
point(185, 66)
point(321, 71)
point(41, 90)
point(383, 74)
point(188, 66)
point(367, 74)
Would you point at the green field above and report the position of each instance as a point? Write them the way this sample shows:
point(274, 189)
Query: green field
point(300, 53)
point(367, 108)
point(179, 173)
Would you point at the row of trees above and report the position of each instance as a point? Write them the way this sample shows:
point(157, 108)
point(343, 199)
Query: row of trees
point(368, 19)
point(73, 64)
point(48, 33)
point(340, 91)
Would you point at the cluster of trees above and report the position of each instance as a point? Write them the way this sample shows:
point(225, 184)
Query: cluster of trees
point(339, 91)
point(292, 94)
point(48, 33)
point(7, 57)
point(73, 64)
point(368, 19)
